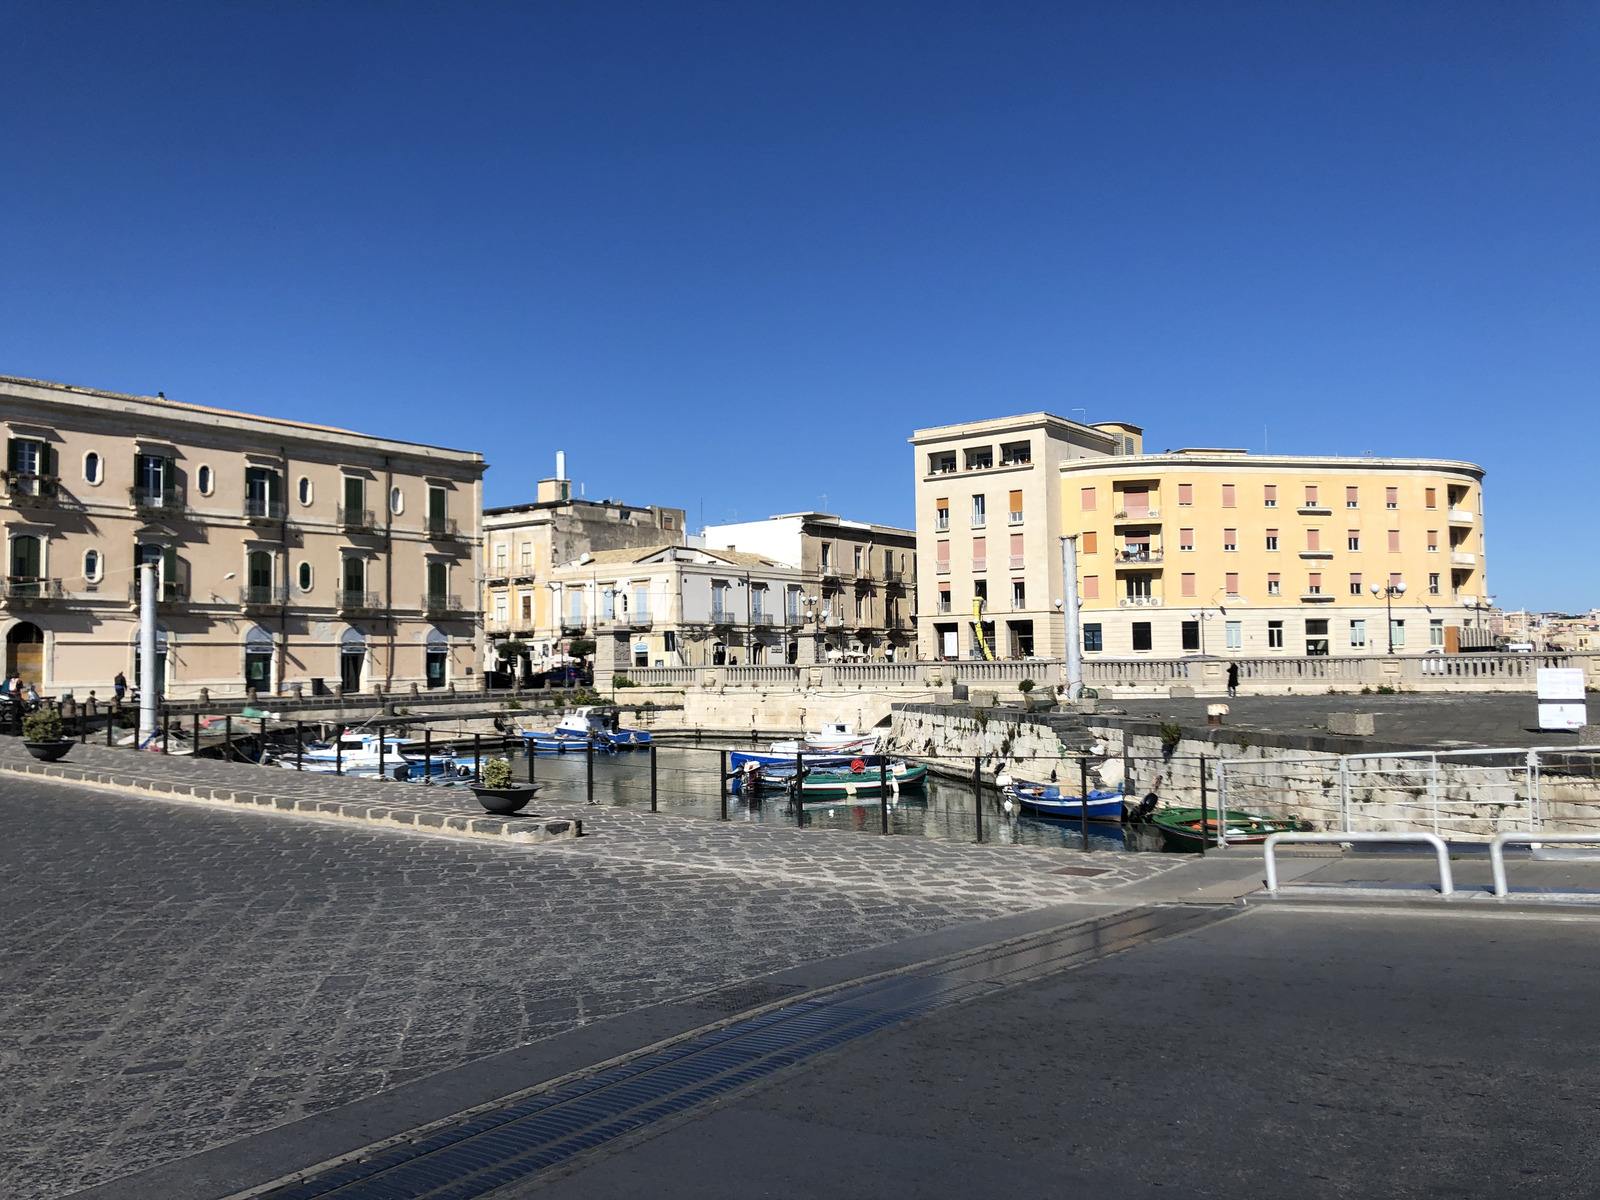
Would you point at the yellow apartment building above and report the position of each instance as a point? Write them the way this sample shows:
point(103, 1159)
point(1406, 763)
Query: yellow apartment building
point(1226, 553)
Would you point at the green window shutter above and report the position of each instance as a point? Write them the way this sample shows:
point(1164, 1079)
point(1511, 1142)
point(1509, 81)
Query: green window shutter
point(169, 480)
point(353, 494)
point(436, 503)
point(437, 579)
point(274, 487)
point(169, 571)
point(48, 460)
point(11, 454)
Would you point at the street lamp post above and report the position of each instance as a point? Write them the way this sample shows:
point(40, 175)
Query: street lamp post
point(1389, 593)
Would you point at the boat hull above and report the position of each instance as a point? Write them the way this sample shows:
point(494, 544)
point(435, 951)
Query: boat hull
point(1182, 830)
point(1037, 798)
point(822, 786)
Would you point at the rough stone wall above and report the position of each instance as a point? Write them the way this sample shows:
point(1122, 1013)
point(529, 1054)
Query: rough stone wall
point(953, 735)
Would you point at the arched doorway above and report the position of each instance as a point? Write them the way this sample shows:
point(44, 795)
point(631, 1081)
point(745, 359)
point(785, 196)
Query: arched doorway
point(352, 657)
point(25, 652)
point(258, 659)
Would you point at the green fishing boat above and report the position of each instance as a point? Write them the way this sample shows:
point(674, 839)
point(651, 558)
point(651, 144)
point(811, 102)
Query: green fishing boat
point(848, 784)
point(1182, 828)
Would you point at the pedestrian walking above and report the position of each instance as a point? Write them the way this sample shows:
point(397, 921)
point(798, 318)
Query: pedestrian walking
point(1233, 679)
point(120, 685)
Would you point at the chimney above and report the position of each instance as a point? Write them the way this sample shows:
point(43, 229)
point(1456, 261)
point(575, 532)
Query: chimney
point(561, 464)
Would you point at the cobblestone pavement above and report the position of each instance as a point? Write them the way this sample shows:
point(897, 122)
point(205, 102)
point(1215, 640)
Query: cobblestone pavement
point(177, 975)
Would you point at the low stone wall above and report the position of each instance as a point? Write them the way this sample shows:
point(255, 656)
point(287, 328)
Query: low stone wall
point(951, 736)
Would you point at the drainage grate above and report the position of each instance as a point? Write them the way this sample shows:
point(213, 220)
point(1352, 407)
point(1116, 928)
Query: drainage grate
point(1085, 871)
point(739, 996)
point(500, 1147)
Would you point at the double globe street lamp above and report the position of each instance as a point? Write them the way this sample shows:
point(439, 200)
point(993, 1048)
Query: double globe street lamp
point(1398, 588)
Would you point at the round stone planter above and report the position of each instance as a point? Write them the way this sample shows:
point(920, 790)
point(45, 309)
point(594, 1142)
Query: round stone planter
point(505, 801)
point(48, 751)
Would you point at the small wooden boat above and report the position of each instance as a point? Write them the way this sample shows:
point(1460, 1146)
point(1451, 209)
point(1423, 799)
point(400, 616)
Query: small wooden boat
point(835, 737)
point(588, 723)
point(850, 784)
point(1181, 828)
point(1052, 800)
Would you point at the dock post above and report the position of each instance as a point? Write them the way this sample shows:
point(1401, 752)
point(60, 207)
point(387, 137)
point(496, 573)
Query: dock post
point(652, 776)
point(1083, 801)
point(197, 733)
point(1202, 804)
point(338, 749)
point(382, 746)
point(977, 793)
point(588, 769)
point(111, 719)
point(227, 735)
point(166, 729)
point(299, 746)
point(799, 789)
point(477, 758)
point(427, 756)
point(883, 793)
point(531, 756)
point(722, 788)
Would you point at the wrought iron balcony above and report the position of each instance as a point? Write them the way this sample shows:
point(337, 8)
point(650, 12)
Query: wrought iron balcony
point(352, 601)
point(442, 528)
point(170, 592)
point(260, 508)
point(30, 491)
point(1138, 557)
point(434, 603)
point(164, 499)
point(20, 591)
point(357, 520)
point(263, 596)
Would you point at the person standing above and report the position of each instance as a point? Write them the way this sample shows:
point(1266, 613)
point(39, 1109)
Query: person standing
point(120, 685)
point(1233, 679)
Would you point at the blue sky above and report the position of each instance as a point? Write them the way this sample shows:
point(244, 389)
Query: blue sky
point(730, 255)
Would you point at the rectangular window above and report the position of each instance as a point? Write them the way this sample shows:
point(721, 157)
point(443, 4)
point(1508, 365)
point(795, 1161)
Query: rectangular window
point(861, 608)
point(1230, 583)
point(1430, 499)
point(1087, 499)
point(1275, 635)
point(1274, 585)
point(943, 463)
point(1352, 539)
point(1185, 495)
point(1090, 542)
point(944, 598)
point(827, 556)
point(1391, 497)
point(1269, 496)
point(527, 556)
point(1014, 513)
point(1019, 594)
point(1394, 541)
point(1185, 539)
point(1230, 539)
point(1397, 631)
point(1227, 495)
point(527, 609)
point(980, 511)
point(1394, 579)
point(1433, 583)
point(1091, 587)
point(980, 590)
point(1317, 637)
point(1188, 583)
point(941, 557)
point(980, 554)
point(858, 559)
point(980, 458)
point(1272, 539)
point(1016, 454)
point(1358, 634)
point(1436, 632)
point(1016, 552)
point(1093, 636)
point(1190, 633)
point(1235, 631)
point(941, 513)
point(1433, 541)
point(1355, 583)
point(1311, 495)
point(1314, 584)
point(500, 555)
point(1141, 635)
point(608, 604)
point(500, 609)
point(1313, 540)
point(1352, 497)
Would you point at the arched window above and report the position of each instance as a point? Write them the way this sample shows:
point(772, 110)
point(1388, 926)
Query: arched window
point(91, 565)
point(305, 577)
point(203, 480)
point(397, 501)
point(91, 467)
point(305, 490)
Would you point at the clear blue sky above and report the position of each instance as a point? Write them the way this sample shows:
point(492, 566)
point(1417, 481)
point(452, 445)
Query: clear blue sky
point(730, 255)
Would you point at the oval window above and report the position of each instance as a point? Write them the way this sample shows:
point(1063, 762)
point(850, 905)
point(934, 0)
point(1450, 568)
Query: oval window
point(305, 577)
point(202, 479)
point(397, 502)
point(91, 467)
point(305, 490)
point(91, 565)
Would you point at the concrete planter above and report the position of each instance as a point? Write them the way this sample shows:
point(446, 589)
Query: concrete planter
point(48, 751)
point(505, 801)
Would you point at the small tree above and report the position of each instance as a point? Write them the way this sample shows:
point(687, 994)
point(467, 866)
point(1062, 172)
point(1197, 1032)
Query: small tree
point(497, 773)
point(42, 726)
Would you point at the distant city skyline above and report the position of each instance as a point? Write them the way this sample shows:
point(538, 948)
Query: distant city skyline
point(728, 257)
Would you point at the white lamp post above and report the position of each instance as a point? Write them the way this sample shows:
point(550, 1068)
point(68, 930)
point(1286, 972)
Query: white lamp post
point(1389, 593)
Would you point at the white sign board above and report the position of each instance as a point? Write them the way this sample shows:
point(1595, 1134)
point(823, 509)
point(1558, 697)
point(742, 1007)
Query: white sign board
point(1562, 714)
point(1561, 683)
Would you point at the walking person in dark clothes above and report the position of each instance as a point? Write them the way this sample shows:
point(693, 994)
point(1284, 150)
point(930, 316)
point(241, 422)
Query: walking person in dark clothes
point(1233, 679)
point(120, 685)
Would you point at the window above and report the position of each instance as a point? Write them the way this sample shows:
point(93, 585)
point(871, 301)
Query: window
point(1141, 635)
point(1230, 583)
point(1433, 541)
point(1274, 585)
point(32, 459)
point(944, 598)
point(355, 579)
point(1272, 539)
point(942, 464)
point(305, 579)
point(355, 500)
point(980, 590)
point(1091, 587)
point(1436, 632)
point(1090, 542)
point(1230, 539)
point(1352, 497)
point(861, 608)
point(1314, 584)
point(1269, 498)
point(438, 578)
point(1093, 636)
point(980, 554)
point(262, 492)
point(1185, 495)
point(155, 479)
point(1016, 552)
point(502, 611)
point(1316, 637)
point(941, 557)
point(500, 557)
point(1190, 634)
point(941, 513)
point(980, 512)
point(1397, 631)
point(1138, 586)
point(1433, 583)
point(1391, 497)
point(669, 641)
point(204, 481)
point(1313, 541)
point(1227, 495)
point(1235, 635)
point(1187, 583)
point(1394, 541)
point(1358, 634)
point(1355, 583)
point(980, 458)
point(1430, 499)
point(1275, 635)
point(92, 472)
point(304, 491)
point(1185, 539)
point(527, 556)
point(1019, 594)
point(1394, 579)
point(827, 556)
point(91, 565)
point(1014, 513)
point(857, 550)
point(397, 501)
point(1016, 454)
point(1087, 499)
point(1311, 495)
point(1352, 539)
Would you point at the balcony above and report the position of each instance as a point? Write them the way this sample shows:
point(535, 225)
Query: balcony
point(896, 623)
point(437, 604)
point(894, 578)
point(260, 510)
point(442, 529)
point(763, 618)
point(627, 621)
point(351, 601)
point(572, 624)
point(1138, 557)
point(1014, 518)
point(1137, 514)
point(170, 592)
point(1460, 516)
point(357, 520)
point(164, 500)
point(263, 597)
point(1316, 554)
point(942, 524)
point(1016, 562)
point(31, 491)
point(1314, 510)
point(1461, 558)
point(1139, 602)
point(1317, 596)
point(980, 564)
point(24, 591)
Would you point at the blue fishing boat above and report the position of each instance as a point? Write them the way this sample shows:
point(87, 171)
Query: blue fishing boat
point(1053, 800)
point(589, 723)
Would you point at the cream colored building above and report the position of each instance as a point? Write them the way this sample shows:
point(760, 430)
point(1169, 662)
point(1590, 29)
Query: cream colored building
point(988, 518)
point(1227, 553)
point(286, 553)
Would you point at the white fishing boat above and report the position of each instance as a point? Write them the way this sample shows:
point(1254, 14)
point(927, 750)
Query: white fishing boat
point(835, 737)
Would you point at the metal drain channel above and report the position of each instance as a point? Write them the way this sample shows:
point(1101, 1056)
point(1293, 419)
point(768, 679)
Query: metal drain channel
point(508, 1144)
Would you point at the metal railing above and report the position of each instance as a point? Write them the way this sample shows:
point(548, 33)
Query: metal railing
point(262, 596)
point(350, 600)
point(23, 588)
point(1269, 849)
point(1139, 556)
point(159, 499)
point(171, 592)
point(442, 527)
point(361, 520)
point(434, 603)
point(23, 488)
point(1497, 850)
point(260, 508)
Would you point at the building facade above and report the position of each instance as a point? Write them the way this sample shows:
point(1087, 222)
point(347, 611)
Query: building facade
point(988, 532)
point(524, 543)
point(858, 583)
point(1225, 553)
point(674, 606)
point(285, 553)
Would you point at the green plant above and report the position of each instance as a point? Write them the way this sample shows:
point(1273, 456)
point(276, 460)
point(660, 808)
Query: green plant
point(648, 704)
point(511, 648)
point(1385, 690)
point(513, 705)
point(1171, 735)
point(1366, 691)
point(1244, 741)
point(42, 726)
point(623, 681)
point(1026, 686)
point(581, 647)
point(497, 773)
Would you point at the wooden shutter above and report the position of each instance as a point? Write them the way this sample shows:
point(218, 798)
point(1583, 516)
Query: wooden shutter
point(1227, 495)
point(1088, 500)
point(1016, 502)
point(1091, 542)
point(169, 571)
point(169, 479)
point(11, 454)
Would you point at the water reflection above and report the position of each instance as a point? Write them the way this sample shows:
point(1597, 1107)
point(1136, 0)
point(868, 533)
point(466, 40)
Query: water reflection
point(687, 783)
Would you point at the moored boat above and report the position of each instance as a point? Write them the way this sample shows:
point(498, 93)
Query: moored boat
point(589, 723)
point(851, 784)
point(1053, 800)
point(1185, 828)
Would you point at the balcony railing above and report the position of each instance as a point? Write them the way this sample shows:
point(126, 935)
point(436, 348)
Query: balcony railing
point(980, 564)
point(170, 592)
point(1460, 558)
point(894, 576)
point(1139, 556)
point(1461, 516)
point(896, 623)
point(1314, 510)
point(31, 490)
point(763, 618)
point(1016, 562)
point(434, 603)
point(357, 520)
point(1139, 602)
point(1316, 554)
point(259, 508)
point(1137, 514)
point(941, 566)
point(442, 528)
point(572, 624)
point(1013, 518)
point(1316, 596)
point(350, 600)
point(167, 499)
point(941, 523)
point(262, 597)
point(21, 590)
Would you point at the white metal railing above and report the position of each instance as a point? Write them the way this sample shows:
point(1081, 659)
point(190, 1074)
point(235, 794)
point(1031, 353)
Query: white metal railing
point(1461, 515)
point(1269, 850)
point(1497, 850)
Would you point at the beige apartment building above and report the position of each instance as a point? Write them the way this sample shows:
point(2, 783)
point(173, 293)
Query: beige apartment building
point(988, 532)
point(857, 592)
point(286, 554)
point(524, 543)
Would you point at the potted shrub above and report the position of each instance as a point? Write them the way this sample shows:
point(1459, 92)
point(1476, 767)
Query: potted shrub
point(497, 793)
point(41, 734)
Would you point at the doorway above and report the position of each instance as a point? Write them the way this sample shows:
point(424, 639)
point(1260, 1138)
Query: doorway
point(25, 652)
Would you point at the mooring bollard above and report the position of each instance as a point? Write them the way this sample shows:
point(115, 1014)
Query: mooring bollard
point(227, 735)
point(977, 794)
point(883, 792)
point(299, 746)
point(722, 788)
point(427, 757)
point(261, 741)
point(653, 792)
point(111, 720)
point(1083, 801)
point(196, 751)
point(477, 758)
